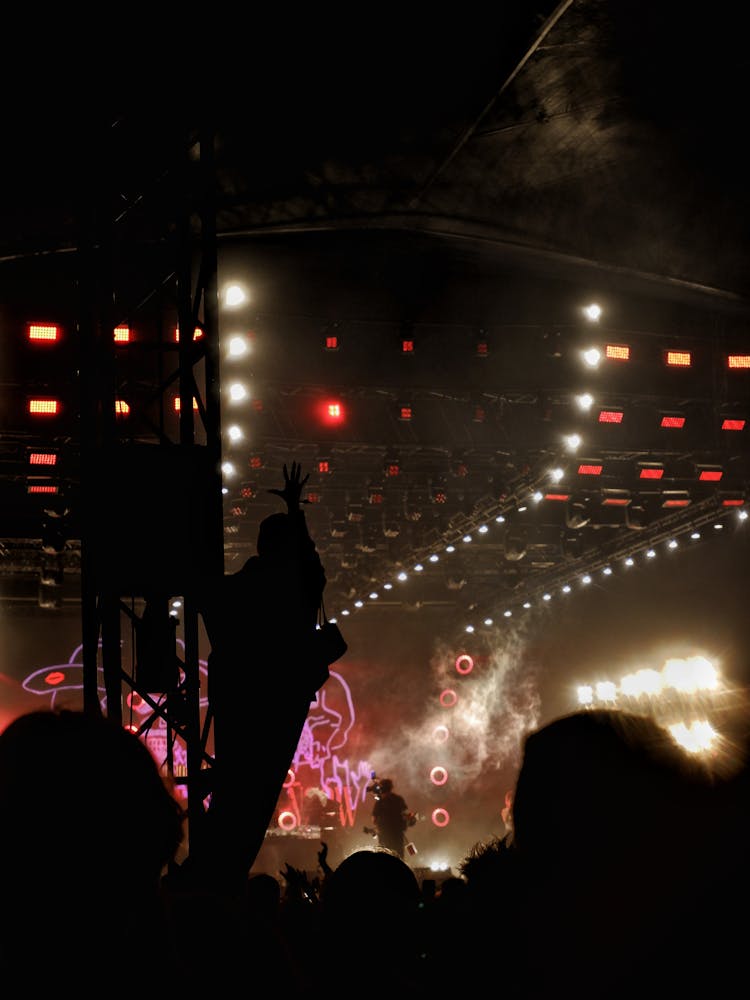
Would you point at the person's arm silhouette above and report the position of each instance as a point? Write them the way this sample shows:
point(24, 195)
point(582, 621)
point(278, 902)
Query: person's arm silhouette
point(293, 486)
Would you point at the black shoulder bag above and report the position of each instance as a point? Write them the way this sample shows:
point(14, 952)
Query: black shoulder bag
point(327, 645)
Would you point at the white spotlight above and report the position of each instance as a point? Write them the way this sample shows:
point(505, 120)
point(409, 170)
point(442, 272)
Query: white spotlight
point(234, 295)
point(591, 357)
point(592, 312)
point(237, 392)
point(238, 346)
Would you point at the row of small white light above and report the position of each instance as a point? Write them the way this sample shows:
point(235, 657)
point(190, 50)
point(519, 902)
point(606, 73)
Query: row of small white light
point(238, 347)
point(584, 580)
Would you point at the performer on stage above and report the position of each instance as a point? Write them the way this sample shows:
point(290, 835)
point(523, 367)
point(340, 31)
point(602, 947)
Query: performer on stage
point(390, 816)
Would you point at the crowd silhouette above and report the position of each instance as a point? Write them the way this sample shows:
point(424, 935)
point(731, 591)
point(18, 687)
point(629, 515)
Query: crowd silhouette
point(623, 871)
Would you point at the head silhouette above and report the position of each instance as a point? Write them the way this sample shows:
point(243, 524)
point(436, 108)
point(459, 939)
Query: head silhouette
point(273, 535)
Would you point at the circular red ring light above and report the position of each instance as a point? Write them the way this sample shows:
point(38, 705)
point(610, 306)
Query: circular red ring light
point(448, 698)
point(440, 817)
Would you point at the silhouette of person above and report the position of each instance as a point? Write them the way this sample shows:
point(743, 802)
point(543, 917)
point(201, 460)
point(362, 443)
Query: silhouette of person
point(623, 869)
point(390, 815)
point(261, 680)
point(88, 824)
point(371, 901)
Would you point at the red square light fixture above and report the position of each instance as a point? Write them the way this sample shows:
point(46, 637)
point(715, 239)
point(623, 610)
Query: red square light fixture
point(615, 498)
point(43, 333)
point(733, 423)
point(42, 488)
point(611, 416)
point(709, 473)
point(617, 352)
point(178, 404)
point(590, 469)
point(42, 458)
point(44, 406)
point(678, 359)
point(675, 498)
point(332, 412)
point(672, 421)
point(650, 470)
point(738, 361)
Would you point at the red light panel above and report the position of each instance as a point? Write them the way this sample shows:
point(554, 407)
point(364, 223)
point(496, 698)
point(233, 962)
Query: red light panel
point(483, 349)
point(738, 361)
point(407, 346)
point(610, 416)
point(589, 470)
point(393, 469)
point(615, 501)
point(313, 497)
point(651, 472)
point(673, 421)
point(732, 424)
point(331, 412)
point(197, 334)
point(177, 404)
point(41, 488)
point(617, 352)
point(732, 502)
point(247, 492)
point(332, 343)
point(324, 465)
point(44, 407)
point(710, 475)
point(122, 409)
point(439, 496)
point(43, 333)
point(122, 334)
point(376, 497)
point(677, 502)
point(42, 458)
point(557, 496)
point(405, 413)
point(679, 359)
point(256, 462)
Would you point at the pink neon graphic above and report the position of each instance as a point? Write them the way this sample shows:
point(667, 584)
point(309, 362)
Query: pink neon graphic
point(438, 775)
point(440, 734)
point(319, 762)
